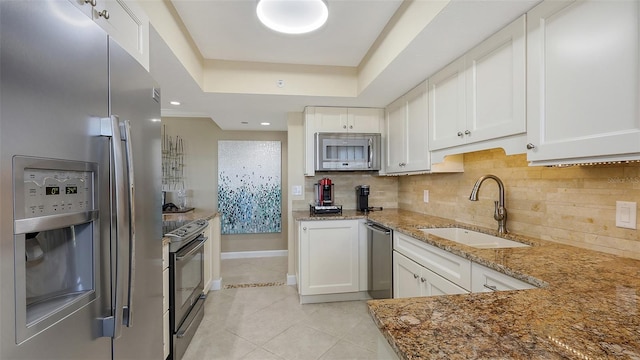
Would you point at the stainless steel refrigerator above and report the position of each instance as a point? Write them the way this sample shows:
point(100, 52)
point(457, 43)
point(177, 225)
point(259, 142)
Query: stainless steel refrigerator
point(80, 206)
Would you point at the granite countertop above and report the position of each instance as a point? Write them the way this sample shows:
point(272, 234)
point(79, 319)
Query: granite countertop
point(587, 306)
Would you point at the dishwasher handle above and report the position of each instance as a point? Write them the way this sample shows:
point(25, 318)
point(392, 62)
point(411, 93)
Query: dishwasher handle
point(377, 228)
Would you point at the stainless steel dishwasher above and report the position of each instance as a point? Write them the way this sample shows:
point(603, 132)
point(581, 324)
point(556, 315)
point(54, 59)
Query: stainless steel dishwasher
point(380, 255)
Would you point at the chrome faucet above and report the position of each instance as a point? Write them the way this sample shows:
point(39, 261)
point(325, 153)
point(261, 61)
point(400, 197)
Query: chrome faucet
point(500, 212)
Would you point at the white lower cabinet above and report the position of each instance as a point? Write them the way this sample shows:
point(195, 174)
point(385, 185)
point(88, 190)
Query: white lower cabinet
point(420, 269)
point(328, 257)
point(452, 267)
point(411, 279)
point(484, 279)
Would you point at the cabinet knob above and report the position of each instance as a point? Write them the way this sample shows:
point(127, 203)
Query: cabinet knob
point(344, 126)
point(423, 280)
point(415, 276)
point(460, 134)
point(304, 229)
point(104, 14)
point(402, 164)
point(530, 146)
point(92, 2)
point(467, 132)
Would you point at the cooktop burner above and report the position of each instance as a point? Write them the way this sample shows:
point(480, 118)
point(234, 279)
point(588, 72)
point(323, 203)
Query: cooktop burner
point(180, 231)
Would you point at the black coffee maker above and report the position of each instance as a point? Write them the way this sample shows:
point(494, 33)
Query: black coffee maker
point(362, 197)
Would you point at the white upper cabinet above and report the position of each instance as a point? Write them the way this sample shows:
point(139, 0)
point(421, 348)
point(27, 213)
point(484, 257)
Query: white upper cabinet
point(356, 120)
point(338, 120)
point(447, 112)
point(407, 140)
point(481, 95)
point(396, 139)
point(124, 21)
point(407, 128)
point(583, 82)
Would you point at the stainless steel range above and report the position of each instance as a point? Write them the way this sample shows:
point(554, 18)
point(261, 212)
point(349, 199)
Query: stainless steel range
point(186, 281)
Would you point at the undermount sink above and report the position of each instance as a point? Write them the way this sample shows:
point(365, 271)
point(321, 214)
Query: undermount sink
point(473, 238)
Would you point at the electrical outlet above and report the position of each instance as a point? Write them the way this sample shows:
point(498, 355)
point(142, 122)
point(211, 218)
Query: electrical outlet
point(296, 190)
point(626, 214)
point(426, 196)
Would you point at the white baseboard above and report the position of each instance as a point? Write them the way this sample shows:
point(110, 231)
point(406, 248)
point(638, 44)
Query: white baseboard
point(291, 279)
point(216, 284)
point(253, 254)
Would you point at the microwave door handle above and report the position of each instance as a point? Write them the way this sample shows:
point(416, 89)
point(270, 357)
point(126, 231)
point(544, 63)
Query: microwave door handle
point(112, 324)
point(370, 159)
point(128, 308)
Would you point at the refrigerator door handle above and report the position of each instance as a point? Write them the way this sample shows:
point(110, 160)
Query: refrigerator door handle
point(128, 308)
point(110, 127)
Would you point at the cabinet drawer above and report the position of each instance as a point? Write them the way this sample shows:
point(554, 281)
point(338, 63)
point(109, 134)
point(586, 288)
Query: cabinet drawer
point(451, 267)
point(485, 279)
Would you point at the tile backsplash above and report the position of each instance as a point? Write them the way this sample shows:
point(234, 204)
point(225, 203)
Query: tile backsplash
point(572, 205)
point(383, 190)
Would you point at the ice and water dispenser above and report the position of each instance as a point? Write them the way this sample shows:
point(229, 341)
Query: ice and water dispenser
point(56, 240)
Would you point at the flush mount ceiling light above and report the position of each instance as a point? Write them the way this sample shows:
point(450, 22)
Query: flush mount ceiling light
point(292, 16)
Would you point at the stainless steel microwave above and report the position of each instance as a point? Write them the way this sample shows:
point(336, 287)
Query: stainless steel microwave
point(347, 151)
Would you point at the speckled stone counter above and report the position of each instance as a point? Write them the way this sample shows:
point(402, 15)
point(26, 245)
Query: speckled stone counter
point(587, 306)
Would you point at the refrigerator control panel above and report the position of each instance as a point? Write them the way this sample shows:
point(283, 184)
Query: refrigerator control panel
point(52, 192)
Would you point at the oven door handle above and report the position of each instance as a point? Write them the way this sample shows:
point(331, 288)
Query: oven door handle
point(190, 250)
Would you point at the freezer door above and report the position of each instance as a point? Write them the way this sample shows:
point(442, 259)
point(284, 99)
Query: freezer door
point(53, 91)
point(133, 101)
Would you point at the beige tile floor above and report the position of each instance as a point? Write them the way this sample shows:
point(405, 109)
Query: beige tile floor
point(269, 322)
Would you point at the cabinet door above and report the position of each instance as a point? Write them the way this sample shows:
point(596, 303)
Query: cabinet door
point(417, 133)
point(406, 277)
point(447, 115)
point(331, 119)
point(495, 83)
point(127, 24)
point(435, 285)
point(583, 79)
point(329, 257)
point(364, 120)
point(396, 136)
point(84, 6)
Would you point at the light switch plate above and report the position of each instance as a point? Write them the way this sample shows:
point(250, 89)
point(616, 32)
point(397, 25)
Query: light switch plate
point(296, 190)
point(626, 214)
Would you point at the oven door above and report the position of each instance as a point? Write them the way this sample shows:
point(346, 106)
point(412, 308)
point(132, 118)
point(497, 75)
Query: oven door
point(188, 279)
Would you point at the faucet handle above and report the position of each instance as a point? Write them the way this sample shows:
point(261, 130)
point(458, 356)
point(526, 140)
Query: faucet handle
point(499, 211)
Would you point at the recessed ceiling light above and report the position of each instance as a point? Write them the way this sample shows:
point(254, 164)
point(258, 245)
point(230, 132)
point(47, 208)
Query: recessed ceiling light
point(244, 122)
point(265, 123)
point(155, 120)
point(293, 16)
point(176, 103)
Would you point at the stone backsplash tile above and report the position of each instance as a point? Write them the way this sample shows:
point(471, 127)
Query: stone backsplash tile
point(573, 205)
